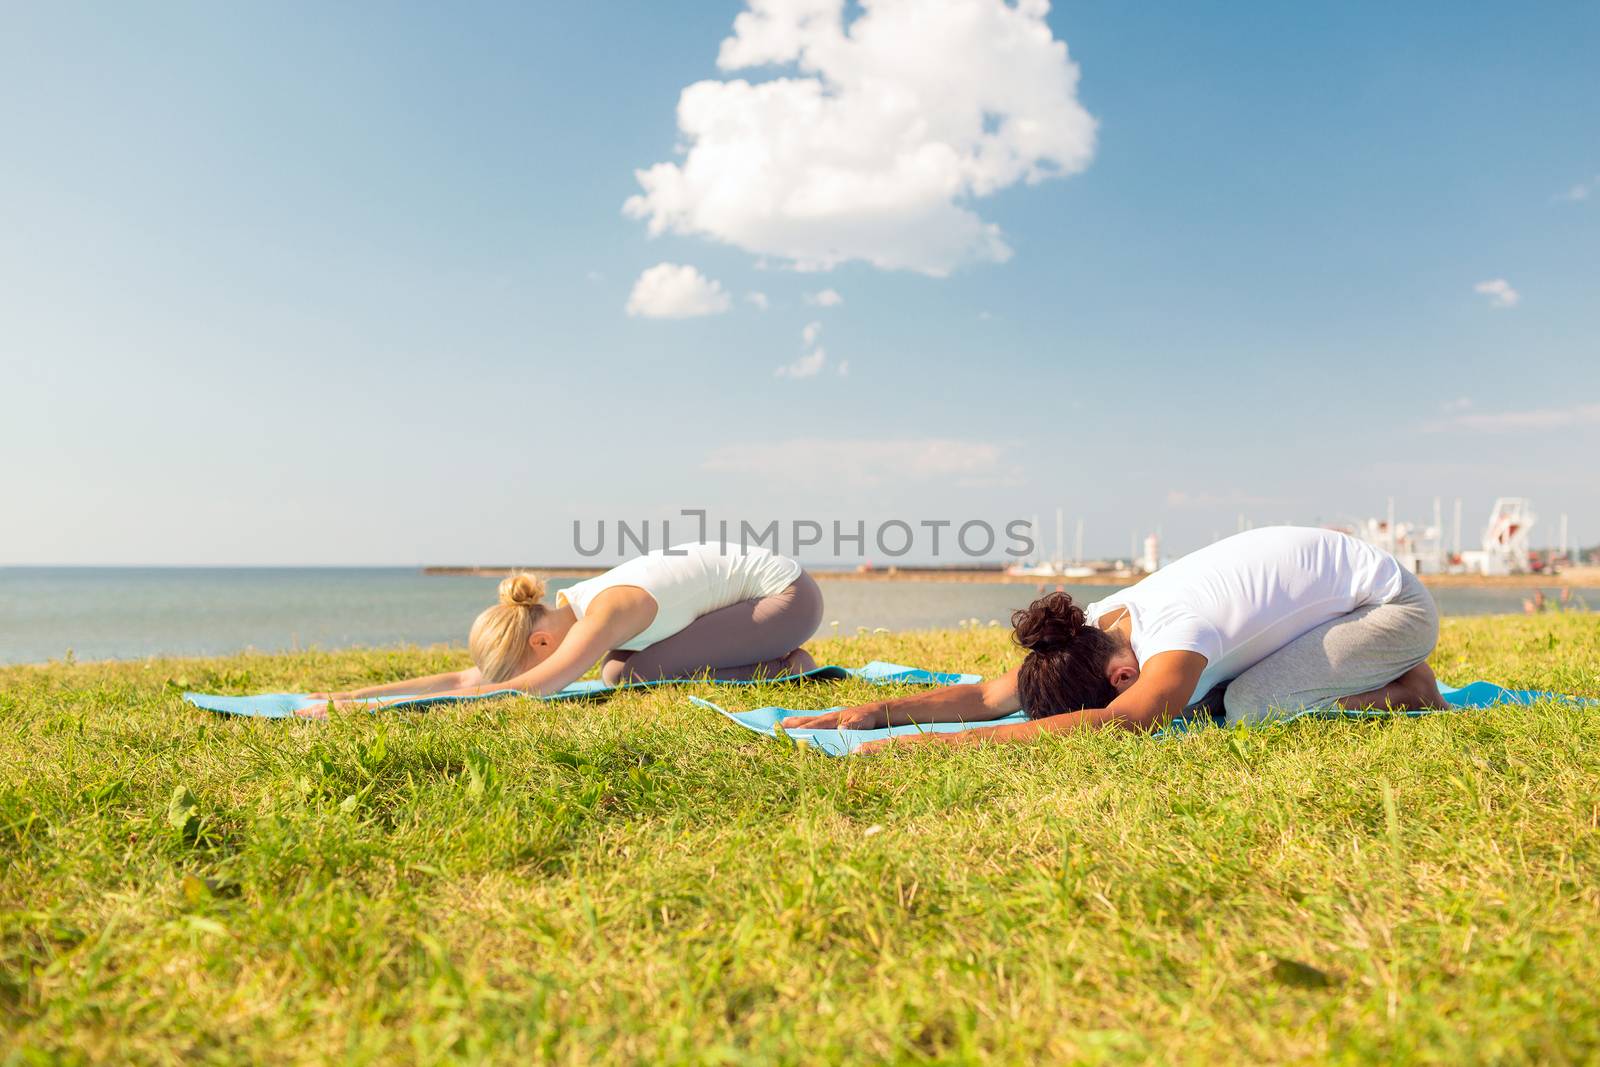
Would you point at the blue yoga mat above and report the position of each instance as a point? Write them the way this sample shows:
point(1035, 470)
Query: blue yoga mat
point(283, 705)
point(843, 742)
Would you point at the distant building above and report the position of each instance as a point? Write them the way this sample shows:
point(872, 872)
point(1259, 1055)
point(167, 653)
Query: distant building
point(1152, 554)
point(1505, 539)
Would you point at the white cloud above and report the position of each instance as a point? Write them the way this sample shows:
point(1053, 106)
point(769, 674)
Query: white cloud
point(676, 291)
point(1514, 421)
point(844, 368)
point(1581, 191)
point(595, 276)
point(807, 366)
point(879, 133)
point(1460, 403)
point(759, 300)
point(867, 463)
point(827, 298)
point(810, 364)
point(1499, 292)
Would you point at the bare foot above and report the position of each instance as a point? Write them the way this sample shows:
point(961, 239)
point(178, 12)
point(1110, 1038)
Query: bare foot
point(1415, 690)
point(798, 662)
point(1427, 687)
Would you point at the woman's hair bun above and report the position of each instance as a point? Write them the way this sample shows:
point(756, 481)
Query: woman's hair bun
point(1048, 624)
point(522, 590)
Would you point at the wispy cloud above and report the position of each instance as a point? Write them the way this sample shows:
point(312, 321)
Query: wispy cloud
point(868, 463)
point(1459, 404)
point(882, 126)
point(758, 300)
point(1499, 292)
point(1552, 418)
point(809, 365)
point(1579, 192)
point(827, 298)
point(676, 291)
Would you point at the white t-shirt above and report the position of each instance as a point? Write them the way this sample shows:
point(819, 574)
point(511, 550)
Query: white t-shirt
point(1241, 599)
point(686, 582)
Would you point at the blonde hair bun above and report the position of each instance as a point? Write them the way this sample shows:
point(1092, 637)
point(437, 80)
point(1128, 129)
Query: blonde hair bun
point(499, 636)
point(522, 590)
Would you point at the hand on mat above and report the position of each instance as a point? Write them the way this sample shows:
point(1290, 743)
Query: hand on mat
point(872, 716)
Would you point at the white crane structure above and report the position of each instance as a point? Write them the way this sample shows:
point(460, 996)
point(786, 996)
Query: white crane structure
point(1505, 539)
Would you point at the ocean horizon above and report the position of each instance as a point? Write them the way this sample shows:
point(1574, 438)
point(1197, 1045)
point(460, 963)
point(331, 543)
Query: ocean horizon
point(108, 612)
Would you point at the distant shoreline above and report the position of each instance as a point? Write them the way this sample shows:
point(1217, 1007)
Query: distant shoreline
point(1576, 577)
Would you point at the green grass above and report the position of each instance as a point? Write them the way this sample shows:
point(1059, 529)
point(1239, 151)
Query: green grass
point(640, 880)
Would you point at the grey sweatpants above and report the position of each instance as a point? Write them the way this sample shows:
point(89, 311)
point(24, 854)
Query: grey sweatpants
point(1355, 653)
point(743, 640)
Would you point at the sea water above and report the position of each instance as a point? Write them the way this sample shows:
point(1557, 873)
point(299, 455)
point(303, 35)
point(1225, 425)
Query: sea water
point(134, 612)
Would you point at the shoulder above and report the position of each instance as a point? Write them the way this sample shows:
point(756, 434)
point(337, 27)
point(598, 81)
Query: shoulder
point(1175, 628)
point(1099, 609)
point(620, 597)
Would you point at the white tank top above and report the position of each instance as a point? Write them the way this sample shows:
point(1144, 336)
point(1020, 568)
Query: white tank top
point(686, 582)
point(1238, 601)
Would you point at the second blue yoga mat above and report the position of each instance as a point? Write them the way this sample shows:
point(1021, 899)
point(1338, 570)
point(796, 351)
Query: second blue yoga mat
point(844, 742)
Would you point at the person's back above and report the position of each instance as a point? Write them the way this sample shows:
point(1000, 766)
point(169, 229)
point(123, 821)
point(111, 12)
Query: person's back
point(689, 581)
point(1241, 599)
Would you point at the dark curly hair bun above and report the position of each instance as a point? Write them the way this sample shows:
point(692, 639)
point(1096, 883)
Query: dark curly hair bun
point(1065, 668)
point(1049, 624)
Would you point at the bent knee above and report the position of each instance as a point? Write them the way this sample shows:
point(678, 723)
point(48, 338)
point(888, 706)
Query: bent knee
point(1235, 703)
point(807, 606)
point(614, 671)
point(1246, 703)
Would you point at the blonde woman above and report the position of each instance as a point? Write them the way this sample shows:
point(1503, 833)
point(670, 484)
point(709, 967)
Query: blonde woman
point(732, 613)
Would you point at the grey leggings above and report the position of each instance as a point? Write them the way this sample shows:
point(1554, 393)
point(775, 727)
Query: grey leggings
point(743, 640)
point(1355, 653)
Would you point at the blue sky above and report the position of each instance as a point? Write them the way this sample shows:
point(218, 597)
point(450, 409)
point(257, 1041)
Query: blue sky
point(349, 284)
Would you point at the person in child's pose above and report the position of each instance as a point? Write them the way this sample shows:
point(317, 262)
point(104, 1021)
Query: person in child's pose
point(1265, 623)
point(729, 612)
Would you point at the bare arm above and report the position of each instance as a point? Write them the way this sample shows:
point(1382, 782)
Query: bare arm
point(433, 683)
point(1163, 690)
point(993, 699)
point(616, 615)
point(590, 638)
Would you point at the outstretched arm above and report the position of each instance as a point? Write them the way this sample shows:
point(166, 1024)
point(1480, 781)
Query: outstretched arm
point(993, 699)
point(1163, 690)
point(610, 621)
point(588, 640)
point(433, 683)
